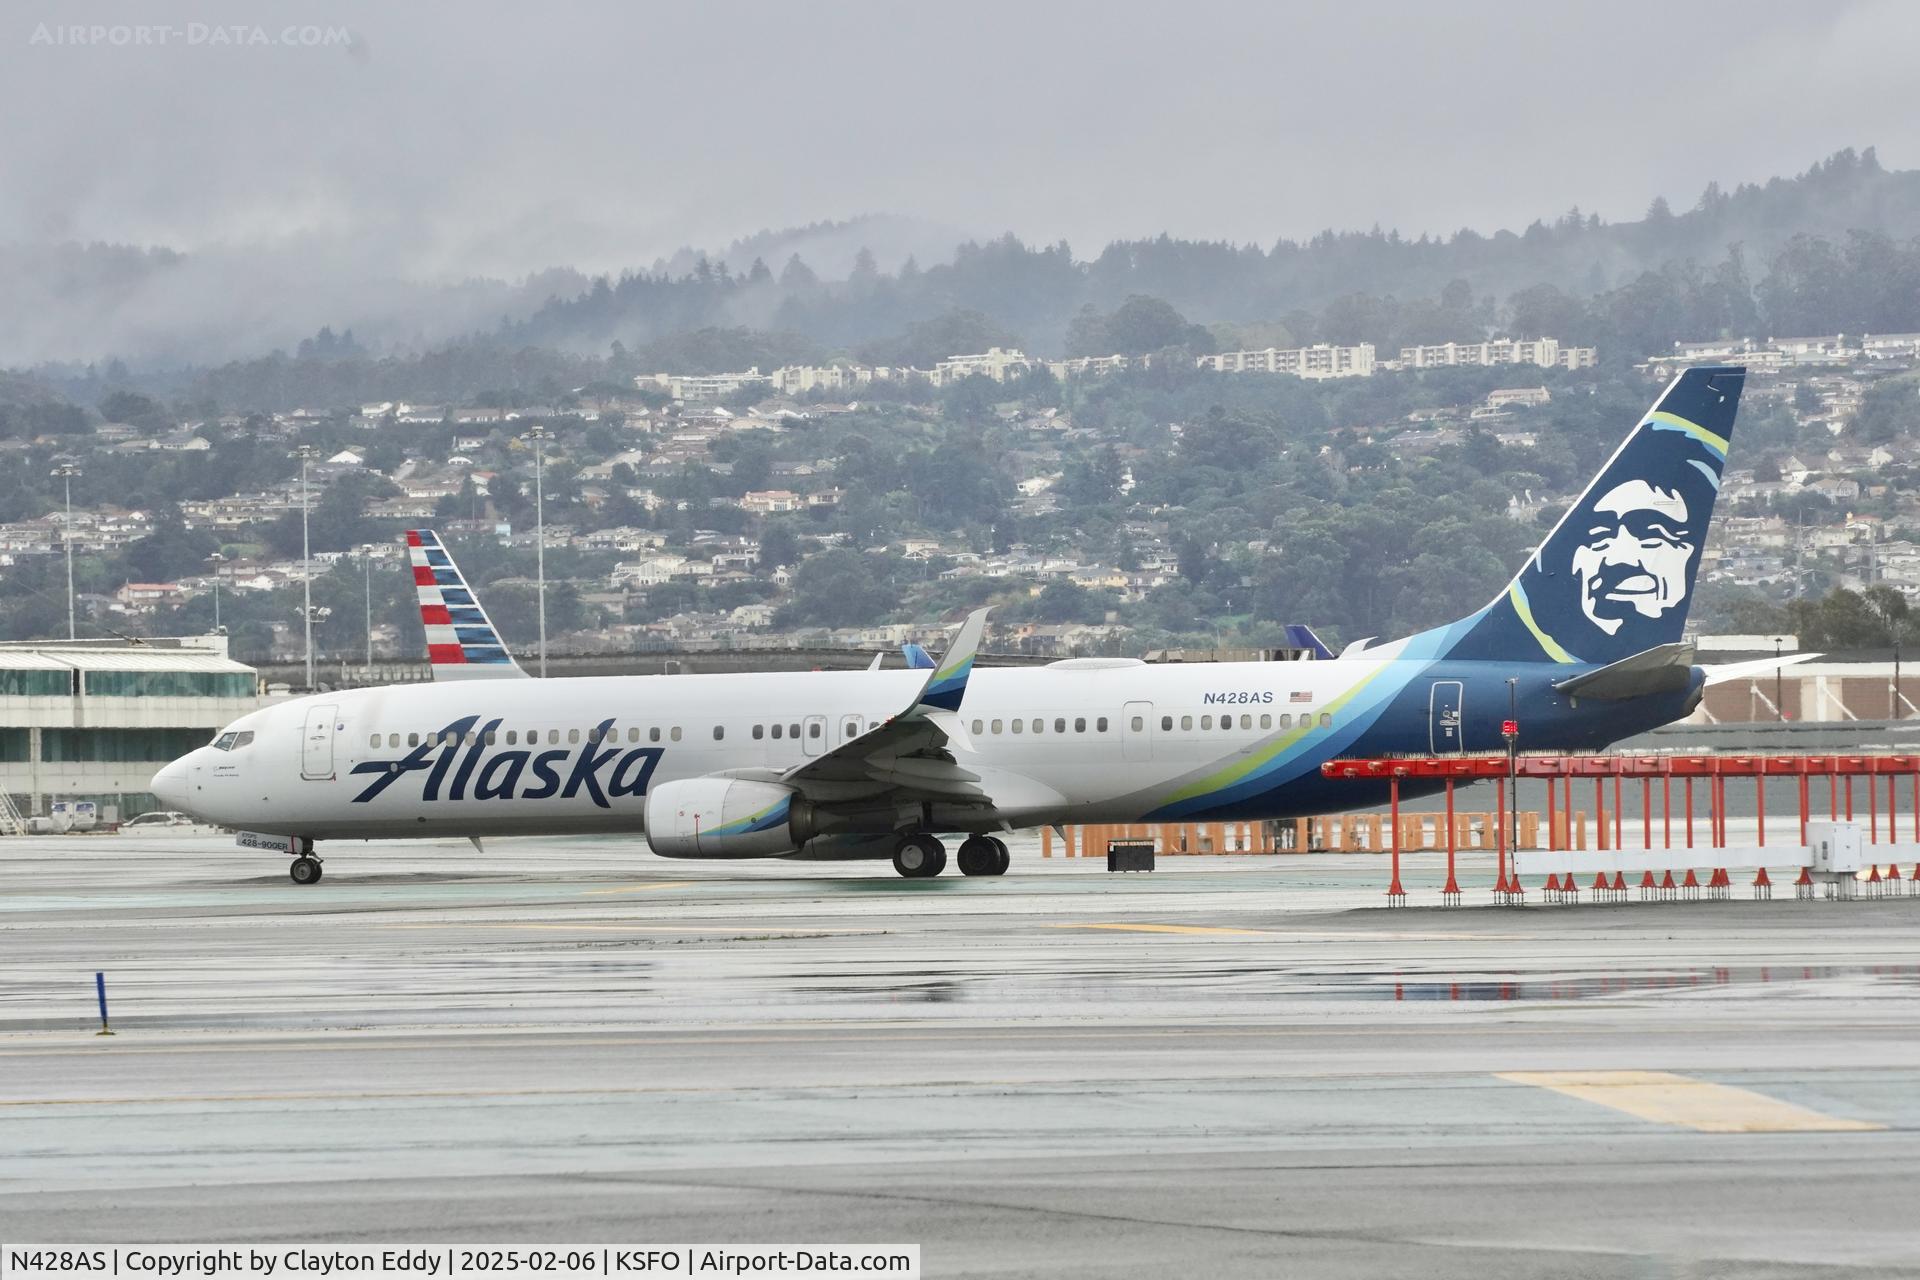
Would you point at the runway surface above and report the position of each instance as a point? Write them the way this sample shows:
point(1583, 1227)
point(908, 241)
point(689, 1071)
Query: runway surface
point(1235, 1066)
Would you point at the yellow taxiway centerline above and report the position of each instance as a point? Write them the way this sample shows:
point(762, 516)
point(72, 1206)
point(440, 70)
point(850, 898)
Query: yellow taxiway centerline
point(1701, 1105)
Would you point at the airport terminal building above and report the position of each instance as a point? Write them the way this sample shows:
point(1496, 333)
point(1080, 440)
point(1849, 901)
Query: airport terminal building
point(86, 720)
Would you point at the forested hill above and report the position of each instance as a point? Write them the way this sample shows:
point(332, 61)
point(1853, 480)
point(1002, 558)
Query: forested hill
point(1836, 249)
point(1035, 291)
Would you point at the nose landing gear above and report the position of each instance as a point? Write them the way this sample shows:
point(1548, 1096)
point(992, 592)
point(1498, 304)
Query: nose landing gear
point(305, 868)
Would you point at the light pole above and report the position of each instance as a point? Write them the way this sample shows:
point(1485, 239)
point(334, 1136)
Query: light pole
point(67, 471)
point(1893, 703)
point(306, 453)
point(540, 435)
point(1779, 682)
point(215, 559)
point(311, 614)
point(366, 561)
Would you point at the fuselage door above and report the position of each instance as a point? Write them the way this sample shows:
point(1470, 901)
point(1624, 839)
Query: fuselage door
point(1444, 710)
point(1136, 731)
point(813, 735)
point(316, 744)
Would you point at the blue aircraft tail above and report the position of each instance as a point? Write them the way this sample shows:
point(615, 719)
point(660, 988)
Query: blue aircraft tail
point(1615, 576)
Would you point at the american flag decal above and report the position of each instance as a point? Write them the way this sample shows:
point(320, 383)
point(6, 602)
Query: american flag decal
point(1300, 695)
point(462, 643)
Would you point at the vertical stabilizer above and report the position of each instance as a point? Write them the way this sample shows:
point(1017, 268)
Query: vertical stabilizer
point(462, 642)
point(1615, 576)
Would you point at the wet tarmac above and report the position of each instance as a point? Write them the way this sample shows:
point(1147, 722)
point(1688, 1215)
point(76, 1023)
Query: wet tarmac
point(1232, 1066)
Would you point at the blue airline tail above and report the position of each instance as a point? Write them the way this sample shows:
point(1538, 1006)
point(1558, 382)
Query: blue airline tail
point(1615, 576)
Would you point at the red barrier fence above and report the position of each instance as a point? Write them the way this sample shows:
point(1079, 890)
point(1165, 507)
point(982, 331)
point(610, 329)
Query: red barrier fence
point(1559, 772)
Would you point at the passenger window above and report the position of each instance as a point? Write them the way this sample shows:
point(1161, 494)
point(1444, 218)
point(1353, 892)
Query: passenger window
point(793, 731)
point(851, 729)
point(1166, 724)
point(413, 739)
point(491, 737)
point(759, 732)
point(719, 732)
point(1037, 725)
point(1139, 723)
point(1019, 726)
point(1060, 725)
point(996, 726)
point(1326, 720)
point(653, 734)
point(553, 737)
point(1246, 721)
point(674, 733)
point(633, 733)
point(1286, 720)
point(513, 737)
point(1266, 722)
point(573, 736)
point(1100, 725)
point(813, 730)
point(1206, 722)
point(374, 741)
point(471, 737)
point(1079, 724)
point(393, 740)
point(776, 730)
point(978, 727)
point(1186, 722)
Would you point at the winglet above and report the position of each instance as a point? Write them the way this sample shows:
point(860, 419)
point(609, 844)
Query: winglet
point(947, 683)
point(462, 642)
point(917, 658)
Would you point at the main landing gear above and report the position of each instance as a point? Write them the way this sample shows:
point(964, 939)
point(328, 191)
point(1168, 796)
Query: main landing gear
point(305, 868)
point(921, 855)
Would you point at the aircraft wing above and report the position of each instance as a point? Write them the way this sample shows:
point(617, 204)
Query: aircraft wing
point(905, 757)
point(462, 642)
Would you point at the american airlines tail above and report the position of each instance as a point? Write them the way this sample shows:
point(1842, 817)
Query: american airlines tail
point(462, 642)
point(1615, 576)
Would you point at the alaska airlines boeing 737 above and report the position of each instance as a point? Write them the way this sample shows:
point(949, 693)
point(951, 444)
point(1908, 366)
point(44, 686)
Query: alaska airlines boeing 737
point(883, 763)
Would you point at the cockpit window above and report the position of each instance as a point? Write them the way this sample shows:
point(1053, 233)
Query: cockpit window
point(224, 742)
point(242, 739)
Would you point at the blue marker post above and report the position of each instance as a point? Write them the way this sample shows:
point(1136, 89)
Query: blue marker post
point(100, 987)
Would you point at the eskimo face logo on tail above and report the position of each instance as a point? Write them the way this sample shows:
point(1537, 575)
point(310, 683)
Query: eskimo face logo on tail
point(459, 756)
point(1639, 544)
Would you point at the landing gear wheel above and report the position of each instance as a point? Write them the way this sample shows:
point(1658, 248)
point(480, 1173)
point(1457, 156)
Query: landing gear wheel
point(305, 869)
point(978, 857)
point(917, 857)
point(1002, 859)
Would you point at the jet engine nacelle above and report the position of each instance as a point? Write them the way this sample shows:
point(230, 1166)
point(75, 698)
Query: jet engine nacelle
point(726, 818)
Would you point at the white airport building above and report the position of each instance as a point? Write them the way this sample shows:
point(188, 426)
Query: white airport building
point(91, 721)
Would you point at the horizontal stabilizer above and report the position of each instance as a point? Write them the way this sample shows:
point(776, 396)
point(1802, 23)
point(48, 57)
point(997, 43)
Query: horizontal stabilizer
point(1665, 668)
point(918, 659)
point(1747, 670)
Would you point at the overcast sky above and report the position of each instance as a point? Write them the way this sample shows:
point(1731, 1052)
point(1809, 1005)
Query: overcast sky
point(498, 138)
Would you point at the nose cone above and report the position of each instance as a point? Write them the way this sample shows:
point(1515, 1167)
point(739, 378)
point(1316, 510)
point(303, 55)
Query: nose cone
point(170, 785)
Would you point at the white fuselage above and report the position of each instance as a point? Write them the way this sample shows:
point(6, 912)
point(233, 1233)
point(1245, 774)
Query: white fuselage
point(1050, 744)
